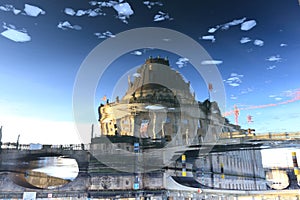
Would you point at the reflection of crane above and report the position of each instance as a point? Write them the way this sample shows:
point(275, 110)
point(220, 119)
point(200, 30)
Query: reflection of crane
point(17, 146)
point(236, 114)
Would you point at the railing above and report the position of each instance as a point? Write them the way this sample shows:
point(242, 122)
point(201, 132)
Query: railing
point(263, 136)
point(24, 147)
point(223, 136)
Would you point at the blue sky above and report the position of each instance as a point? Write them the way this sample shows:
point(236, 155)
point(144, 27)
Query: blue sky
point(37, 75)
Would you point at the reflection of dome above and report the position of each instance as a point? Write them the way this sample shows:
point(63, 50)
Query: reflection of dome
point(153, 93)
point(158, 104)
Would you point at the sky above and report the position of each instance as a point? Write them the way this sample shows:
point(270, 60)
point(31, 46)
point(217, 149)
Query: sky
point(254, 44)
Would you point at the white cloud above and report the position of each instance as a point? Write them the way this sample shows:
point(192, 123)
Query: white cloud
point(278, 98)
point(276, 58)
point(209, 37)
point(245, 40)
point(161, 16)
point(271, 67)
point(246, 91)
point(211, 62)
point(234, 80)
point(258, 43)
point(283, 45)
point(33, 11)
point(66, 25)
point(15, 35)
point(233, 97)
point(104, 35)
point(136, 75)
point(137, 53)
point(234, 84)
point(182, 62)
point(246, 26)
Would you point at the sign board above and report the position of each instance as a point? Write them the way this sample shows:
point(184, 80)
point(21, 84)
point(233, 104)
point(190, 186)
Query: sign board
point(136, 186)
point(29, 196)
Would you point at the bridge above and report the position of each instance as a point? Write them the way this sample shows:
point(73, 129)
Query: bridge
point(92, 182)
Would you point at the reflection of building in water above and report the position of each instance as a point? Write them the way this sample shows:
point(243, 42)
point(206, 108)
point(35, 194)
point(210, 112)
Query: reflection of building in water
point(159, 104)
point(160, 107)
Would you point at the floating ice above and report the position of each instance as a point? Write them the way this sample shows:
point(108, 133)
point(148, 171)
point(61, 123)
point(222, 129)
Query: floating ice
point(276, 58)
point(245, 40)
point(246, 26)
point(70, 11)
point(65, 25)
point(181, 62)
point(137, 53)
point(212, 30)
point(80, 13)
point(124, 11)
point(104, 35)
point(271, 67)
point(150, 4)
point(209, 37)
point(211, 62)
point(9, 8)
point(16, 36)
point(235, 22)
point(33, 11)
point(258, 43)
point(161, 16)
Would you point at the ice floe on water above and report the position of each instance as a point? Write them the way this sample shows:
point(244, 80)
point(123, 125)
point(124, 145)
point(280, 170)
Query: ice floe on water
point(124, 11)
point(33, 11)
point(79, 13)
point(15, 35)
point(234, 80)
point(227, 25)
point(211, 62)
point(233, 23)
point(150, 4)
point(245, 40)
point(137, 53)
point(104, 35)
point(246, 26)
point(258, 43)
point(67, 25)
point(10, 8)
point(209, 37)
point(276, 58)
point(182, 62)
point(29, 10)
point(161, 16)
